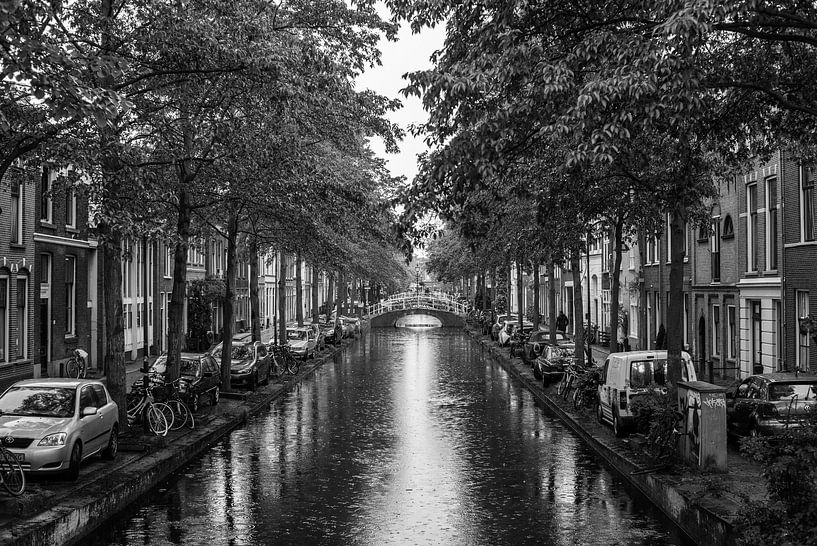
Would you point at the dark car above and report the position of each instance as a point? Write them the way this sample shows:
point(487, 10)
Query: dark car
point(550, 365)
point(199, 377)
point(536, 343)
point(770, 403)
point(250, 363)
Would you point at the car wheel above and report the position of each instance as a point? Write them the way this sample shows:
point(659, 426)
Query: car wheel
point(618, 430)
point(113, 445)
point(214, 396)
point(74, 462)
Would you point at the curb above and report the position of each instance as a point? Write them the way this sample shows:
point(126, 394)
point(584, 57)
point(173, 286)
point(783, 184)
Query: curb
point(697, 522)
point(103, 498)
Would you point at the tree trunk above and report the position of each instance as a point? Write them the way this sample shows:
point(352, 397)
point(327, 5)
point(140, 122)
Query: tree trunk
point(315, 295)
point(299, 291)
point(675, 311)
point(175, 319)
point(282, 299)
point(114, 360)
point(578, 337)
point(330, 296)
point(484, 290)
point(229, 298)
point(552, 302)
point(520, 311)
point(615, 281)
point(536, 295)
point(255, 308)
point(341, 294)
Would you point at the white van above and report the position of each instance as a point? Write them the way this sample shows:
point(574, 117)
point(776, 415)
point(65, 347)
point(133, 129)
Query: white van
point(627, 375)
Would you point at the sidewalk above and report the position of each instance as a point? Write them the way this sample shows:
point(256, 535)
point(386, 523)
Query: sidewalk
point(703, 505)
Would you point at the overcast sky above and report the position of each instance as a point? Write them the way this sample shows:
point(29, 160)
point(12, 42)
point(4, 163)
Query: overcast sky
point(409, 53)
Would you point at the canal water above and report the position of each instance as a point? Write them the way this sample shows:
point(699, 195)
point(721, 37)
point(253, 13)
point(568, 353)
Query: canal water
point(408, 437)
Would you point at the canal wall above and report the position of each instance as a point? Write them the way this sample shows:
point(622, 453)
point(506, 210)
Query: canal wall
point(696, 502)
point(98, 496)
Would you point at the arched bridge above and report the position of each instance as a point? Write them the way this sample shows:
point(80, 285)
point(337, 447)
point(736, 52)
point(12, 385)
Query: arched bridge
point(447, 309)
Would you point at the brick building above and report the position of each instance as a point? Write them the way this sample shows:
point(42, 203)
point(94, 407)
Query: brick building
point(66, 311)
point(17, 266)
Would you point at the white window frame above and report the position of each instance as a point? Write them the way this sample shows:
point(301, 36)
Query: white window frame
point(168, 262)
point(751, 266)
point(5, 357)
point(803, 341)
point(71, 202)
point(45, 188)
point(71, 304)
point(802, 199)
point(18, 213)
point(769, 235)
point(731, 326)
point(22, 325)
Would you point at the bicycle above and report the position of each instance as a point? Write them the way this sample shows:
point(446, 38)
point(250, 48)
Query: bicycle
point(282, 353)
point(11, 473)
point(157, 417)
point(181, 412)
point(570, 377)
point(76, 367)
point(586, 393)
point(662, 441)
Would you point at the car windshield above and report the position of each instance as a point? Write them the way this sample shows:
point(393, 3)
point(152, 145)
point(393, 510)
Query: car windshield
point(647, 373)
point(237, 352)
point(296, 334)
point(39, 401)
point(189, 367)
point(788, 391)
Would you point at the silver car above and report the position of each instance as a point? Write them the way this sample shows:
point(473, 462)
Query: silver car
point(52, 425)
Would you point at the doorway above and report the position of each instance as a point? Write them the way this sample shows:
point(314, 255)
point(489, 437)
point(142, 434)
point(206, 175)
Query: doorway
point(701, 345)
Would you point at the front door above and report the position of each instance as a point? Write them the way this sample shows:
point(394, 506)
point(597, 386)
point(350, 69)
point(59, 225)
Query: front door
point(756, 357)
point(45, 334)
point(701, 345)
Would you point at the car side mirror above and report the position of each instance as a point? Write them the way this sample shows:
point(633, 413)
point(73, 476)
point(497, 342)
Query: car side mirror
point(89, 411)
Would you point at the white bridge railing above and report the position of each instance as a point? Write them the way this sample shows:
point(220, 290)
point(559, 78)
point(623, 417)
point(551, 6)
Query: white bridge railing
point(413, 300)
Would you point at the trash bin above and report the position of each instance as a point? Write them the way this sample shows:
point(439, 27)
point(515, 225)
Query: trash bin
point(703, 438)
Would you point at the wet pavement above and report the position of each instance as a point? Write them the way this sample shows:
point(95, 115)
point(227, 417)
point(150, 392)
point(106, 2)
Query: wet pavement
point(409, 437)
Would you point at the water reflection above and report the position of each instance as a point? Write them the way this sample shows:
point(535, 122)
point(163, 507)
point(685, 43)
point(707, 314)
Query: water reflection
point(418, 321)
point(411, 436)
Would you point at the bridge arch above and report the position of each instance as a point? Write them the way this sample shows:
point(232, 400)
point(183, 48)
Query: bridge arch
point(447, 309)
point(389, 319)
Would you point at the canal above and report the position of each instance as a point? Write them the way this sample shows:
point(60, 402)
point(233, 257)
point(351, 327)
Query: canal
point(409, 436)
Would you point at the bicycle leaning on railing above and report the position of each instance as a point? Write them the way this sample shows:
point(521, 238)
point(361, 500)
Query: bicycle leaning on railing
point(11, 473)
point(76, 366)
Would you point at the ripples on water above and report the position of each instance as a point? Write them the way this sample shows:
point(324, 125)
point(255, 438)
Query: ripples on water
point(410, 437)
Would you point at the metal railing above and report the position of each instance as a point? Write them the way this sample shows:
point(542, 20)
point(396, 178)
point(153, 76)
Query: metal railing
point(438, 301)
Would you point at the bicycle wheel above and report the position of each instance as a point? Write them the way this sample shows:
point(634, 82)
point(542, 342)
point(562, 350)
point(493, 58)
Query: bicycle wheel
point(180, 414)
point(133, 401)
point(11, 473)
point(560, 386)
point(167, 411)
point(72, 368)
point(578, 399)
point(293, 365)
point(156, 421)
point(568, 386)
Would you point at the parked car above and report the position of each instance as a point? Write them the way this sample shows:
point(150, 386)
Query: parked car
point(301, 341)
point(631, 374)
point(52, 425)
point(499, 322)
point(770, 403)
point(332, 333)
point(199, 377)
point(537, 341)
point(250, 363)
point(550, 365)
point(510, 331)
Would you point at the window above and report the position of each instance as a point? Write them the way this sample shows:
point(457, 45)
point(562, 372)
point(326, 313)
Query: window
point(101, 397)
point(751, 238)
point(70, 208)
point(728, 228)
point(715, 249)
point(169, 262)
point(17, 214)
point(70, 295)
point(716, 330)
point(803, 337)
point(126, 268)
point(46, 205)
point(807, 176)
point(731, 344)
point(139, 258)
point(4, 319)
point(648, 373)
point(22, 317)
point(771, 224)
